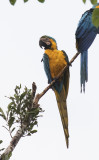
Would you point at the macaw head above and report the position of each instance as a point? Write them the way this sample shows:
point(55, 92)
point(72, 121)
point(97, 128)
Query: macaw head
point(47, 42)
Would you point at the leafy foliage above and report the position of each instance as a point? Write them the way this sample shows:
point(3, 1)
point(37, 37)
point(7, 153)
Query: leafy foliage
point(25, 0)
point(20, 111)
point(2, 114)
point(93, 1)
point(42, 1)
point(84, 1)
point(14, 1)
point(95, 17)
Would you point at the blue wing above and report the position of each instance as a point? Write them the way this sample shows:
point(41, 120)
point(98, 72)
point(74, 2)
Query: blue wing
point(66, 74)
point(66, 57)
point(46, 67)
point(86, 31)
point(58, 85)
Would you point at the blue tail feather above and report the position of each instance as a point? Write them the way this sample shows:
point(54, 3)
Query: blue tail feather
point(84, 69)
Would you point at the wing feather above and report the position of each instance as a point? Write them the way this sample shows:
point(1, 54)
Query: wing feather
point(66, 75)
point(86, 31)
point(46, 67)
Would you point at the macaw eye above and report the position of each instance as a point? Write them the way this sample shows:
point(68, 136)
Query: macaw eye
point(48, 43)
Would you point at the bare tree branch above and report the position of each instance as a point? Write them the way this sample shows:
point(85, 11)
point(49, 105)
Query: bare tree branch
point(7, 153)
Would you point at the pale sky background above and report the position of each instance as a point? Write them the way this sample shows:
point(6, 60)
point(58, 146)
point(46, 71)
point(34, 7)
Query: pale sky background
point(21, 26)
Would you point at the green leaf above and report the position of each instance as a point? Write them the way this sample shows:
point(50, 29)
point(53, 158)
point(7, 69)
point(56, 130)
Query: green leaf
point(12, 129)
point(84, 1)
point(2, 114)
point(30, 127)
point(2, 149)
point(42, 1)
point(28, 134)
point(6, 156)
point(10, 122)
point(18, 87)
point(1, 141)
point(25, 0)
point(9, 155)
point(95, 17)
point(12, 98)
point(22, 95)
point(12, 2)
point(34, 131)
point(93, 1)
point(11, 105)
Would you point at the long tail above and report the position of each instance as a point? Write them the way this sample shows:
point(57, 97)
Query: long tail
point(84, 69)
point(61, 101)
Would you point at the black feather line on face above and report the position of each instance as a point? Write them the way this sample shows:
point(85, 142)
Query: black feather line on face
point(45, 42)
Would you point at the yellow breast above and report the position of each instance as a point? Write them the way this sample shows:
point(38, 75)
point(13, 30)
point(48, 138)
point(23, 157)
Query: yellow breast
point(56, 61)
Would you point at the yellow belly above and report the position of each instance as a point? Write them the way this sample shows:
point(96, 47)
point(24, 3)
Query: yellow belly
point(56, 61)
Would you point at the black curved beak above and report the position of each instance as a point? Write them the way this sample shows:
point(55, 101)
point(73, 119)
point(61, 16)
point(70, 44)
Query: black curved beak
point(45, 42)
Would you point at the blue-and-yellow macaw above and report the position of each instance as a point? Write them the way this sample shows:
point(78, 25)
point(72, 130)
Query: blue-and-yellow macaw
point(54, 61)
point(85, 35)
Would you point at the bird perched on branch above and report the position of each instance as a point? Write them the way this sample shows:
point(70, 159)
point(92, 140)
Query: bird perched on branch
point(54, 61)
point(85, 35)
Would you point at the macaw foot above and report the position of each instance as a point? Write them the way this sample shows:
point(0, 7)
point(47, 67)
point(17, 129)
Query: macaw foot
point(55, 79)
point(70, 64)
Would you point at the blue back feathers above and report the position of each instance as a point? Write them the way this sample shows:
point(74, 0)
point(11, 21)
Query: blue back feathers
point(85, 35)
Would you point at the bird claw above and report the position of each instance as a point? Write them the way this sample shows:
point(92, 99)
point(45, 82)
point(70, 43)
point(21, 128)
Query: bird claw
point(70, 64)
point(55, 78)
